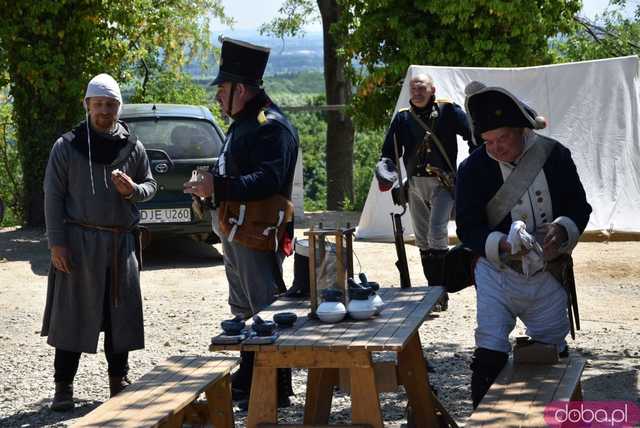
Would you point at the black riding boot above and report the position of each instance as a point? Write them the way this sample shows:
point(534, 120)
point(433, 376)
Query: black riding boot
point(433, 267)
point(285, 389)
point(485, 367)
point(241, 379)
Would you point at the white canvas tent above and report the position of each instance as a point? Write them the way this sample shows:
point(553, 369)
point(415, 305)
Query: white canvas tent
point(591, 107)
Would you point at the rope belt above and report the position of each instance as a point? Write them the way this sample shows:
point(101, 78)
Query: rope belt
point(116, 231)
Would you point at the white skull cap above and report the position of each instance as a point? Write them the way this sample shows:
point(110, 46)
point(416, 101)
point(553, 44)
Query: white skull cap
point(103, 85)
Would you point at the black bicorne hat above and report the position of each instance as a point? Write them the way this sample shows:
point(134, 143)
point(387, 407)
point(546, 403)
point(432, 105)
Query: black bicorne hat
point(241, 62)
point(494, 107)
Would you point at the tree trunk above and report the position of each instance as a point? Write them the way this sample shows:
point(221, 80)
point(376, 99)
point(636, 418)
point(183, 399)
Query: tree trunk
point(340, 132)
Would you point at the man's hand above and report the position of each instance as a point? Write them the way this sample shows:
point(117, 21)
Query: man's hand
point(201, 184)
point(61, 258)
point(386, 174)
point(555, 236)
point(504, 247)
point(124, 184)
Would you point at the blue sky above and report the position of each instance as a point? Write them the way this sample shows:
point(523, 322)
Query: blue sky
point(250, 14)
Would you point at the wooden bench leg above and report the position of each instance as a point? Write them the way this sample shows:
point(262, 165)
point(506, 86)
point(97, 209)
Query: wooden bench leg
point(320, 383)
point(577, 393)
point(365, 402)
point(413, 375)
point(175, 421)
point(219, 403)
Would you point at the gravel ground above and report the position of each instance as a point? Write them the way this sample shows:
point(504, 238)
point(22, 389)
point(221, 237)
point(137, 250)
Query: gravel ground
point(184, 291)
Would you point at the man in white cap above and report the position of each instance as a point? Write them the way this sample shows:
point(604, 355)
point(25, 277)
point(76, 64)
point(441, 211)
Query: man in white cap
point(520, 206)
point(95, 175)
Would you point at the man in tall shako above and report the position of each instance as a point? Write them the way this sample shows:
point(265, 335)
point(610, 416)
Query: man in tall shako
point(521, 207)
point(250, 187)
point(95, 175)
point(425, 136)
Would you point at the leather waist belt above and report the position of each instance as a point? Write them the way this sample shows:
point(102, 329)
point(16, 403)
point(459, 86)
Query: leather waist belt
point(115, 230)
point(516, 265)
point(425, 174)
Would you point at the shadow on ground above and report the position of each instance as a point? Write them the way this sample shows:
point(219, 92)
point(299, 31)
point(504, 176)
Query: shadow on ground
point(25, 245)
point(39, 415)
point(30, 245)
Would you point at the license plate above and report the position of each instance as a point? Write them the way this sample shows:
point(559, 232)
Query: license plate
point(166, 215)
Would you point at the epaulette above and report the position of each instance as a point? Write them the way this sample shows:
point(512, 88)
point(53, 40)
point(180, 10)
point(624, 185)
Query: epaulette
point(444, 101)
point(262, 118)
point(403, 109)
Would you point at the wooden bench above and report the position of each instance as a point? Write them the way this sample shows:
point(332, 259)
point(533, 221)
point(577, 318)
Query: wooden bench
point(166, 395)
point(520, 393)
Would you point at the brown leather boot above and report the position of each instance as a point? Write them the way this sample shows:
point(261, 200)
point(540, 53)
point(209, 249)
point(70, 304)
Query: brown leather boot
point(117, 384)
point(63, 397)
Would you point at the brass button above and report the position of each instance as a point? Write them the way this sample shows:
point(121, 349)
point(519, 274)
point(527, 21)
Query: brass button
point(538, 193)
point(540, 200)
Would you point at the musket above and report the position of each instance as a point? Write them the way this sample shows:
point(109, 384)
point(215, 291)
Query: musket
point(396, 221)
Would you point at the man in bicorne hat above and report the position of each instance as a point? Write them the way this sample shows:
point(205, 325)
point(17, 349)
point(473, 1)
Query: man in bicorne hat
point(250, 187)
point(535, 220)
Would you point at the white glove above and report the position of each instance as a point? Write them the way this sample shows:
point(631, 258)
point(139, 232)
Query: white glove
point(520, 240)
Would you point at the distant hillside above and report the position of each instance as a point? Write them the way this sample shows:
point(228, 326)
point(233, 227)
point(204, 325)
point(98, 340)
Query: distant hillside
point(288, 56)
point(310, 82)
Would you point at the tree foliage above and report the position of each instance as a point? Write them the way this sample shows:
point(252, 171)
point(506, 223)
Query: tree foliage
point(10, 170)
point(386, 36)
point(611, 34)
point(294, 14)
point(50, 49)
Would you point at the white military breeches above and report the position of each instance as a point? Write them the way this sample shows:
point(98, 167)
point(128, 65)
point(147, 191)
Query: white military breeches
point(502, 295)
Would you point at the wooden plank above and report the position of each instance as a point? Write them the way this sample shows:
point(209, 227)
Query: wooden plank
point(571, 379)
point(312, 358)
point(402, 308)
point(129, 404)
point(391, 318)
point(386, 373)
point(320, 383)
point(561, 380)
point(219, 403)
point(509, 410)
point(138, 390)
point(352, 330)
point(365, 402)
point(483, 415)
point(171, 398)
point(332, 334)
point(532, 413)
point(332, 339)
point(519, 395)
point(415, 319)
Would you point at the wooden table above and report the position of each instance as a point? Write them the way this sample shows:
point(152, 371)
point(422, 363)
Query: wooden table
point(324, 349)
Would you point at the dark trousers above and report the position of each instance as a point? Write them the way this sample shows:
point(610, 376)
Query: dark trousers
point(66, 362)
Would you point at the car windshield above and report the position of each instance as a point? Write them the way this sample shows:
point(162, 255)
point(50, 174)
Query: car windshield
point(179, 138)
